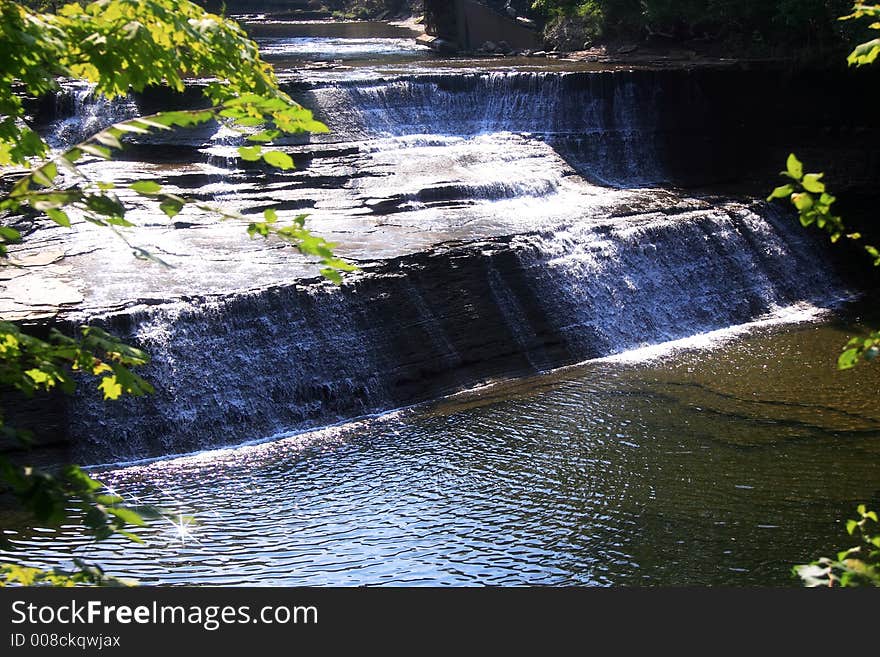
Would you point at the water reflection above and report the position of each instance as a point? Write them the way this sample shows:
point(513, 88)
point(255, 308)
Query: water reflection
point(708, 467)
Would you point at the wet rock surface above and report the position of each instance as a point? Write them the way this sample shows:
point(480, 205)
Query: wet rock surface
point(503, 222)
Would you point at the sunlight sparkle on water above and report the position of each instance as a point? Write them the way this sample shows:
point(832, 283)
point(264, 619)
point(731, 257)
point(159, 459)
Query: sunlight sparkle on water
point(182, 529)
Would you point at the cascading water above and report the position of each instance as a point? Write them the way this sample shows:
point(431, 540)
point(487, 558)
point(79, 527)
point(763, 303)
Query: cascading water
point(303, 356)
point(85, 113)
point(506, 223)
point(487, 251)
point(605, 125)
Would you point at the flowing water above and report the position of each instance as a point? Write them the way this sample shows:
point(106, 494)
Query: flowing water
point(708, 466)
point(523, 219)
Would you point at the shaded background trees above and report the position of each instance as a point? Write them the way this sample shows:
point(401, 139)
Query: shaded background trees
point(759, 26)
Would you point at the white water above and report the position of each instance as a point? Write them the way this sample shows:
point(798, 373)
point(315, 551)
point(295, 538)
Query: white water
point(540, 266)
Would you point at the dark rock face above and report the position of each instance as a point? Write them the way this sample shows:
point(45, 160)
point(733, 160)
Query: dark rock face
point(470, 24)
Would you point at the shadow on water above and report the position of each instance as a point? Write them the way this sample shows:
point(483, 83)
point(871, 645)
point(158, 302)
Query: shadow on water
point(717, 466)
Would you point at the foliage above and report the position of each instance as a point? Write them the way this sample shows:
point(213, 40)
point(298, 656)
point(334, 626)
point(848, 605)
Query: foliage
point(809, 196)
point(365, 9)
point(122, 45)
point(85, 574)
point(800, 22)
point(29, 364)
point(857, 566)
point(573, 25)
point(865, 53)
point(555, 8)
point(118, 46)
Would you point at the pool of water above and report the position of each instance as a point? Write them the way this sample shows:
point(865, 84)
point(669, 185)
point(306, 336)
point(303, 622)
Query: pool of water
point(715, 466)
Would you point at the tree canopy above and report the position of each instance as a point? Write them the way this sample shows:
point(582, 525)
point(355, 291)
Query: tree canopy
point(741, 22)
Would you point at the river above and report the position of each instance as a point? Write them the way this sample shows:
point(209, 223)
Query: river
point(654, 399)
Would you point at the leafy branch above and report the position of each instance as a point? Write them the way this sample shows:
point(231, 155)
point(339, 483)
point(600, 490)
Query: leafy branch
point(808, 194)
point(99, 204)
point(856, 566)
point(118, 46)
point(867, 52)
point(29, 364)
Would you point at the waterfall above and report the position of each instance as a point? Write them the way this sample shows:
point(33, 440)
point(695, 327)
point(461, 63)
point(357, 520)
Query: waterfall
point(606, 125)
point(487, 250)
point(254, 365)
point(82, 113)
point(658, 278)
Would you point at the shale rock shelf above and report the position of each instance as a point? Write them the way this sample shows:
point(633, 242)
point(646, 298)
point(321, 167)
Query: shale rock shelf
point(503, 223)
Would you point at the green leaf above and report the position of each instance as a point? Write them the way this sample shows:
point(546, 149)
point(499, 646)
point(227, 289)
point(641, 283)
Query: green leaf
point(130, 536)
point(45, 175)
point(783, 191)
point(250, 153)
point(270, 215)
point(105, 205)
point(171, 207)
point(126, 515)
point(146, 187)
point(794, 167)
point(250, 122)
point(848, 359)
point(97, 151)
point(131, 127)
point(108, 139)
point(119, 221)
point(331, 275)
point(9, 234)
point(43, 201)
point(802, 201)
point(811, 183)
point(258, 228)
point(278, 159)
point(265, 135)
point(72, 155)
point(110, 387)
point(864, 53)
point(108, 499)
